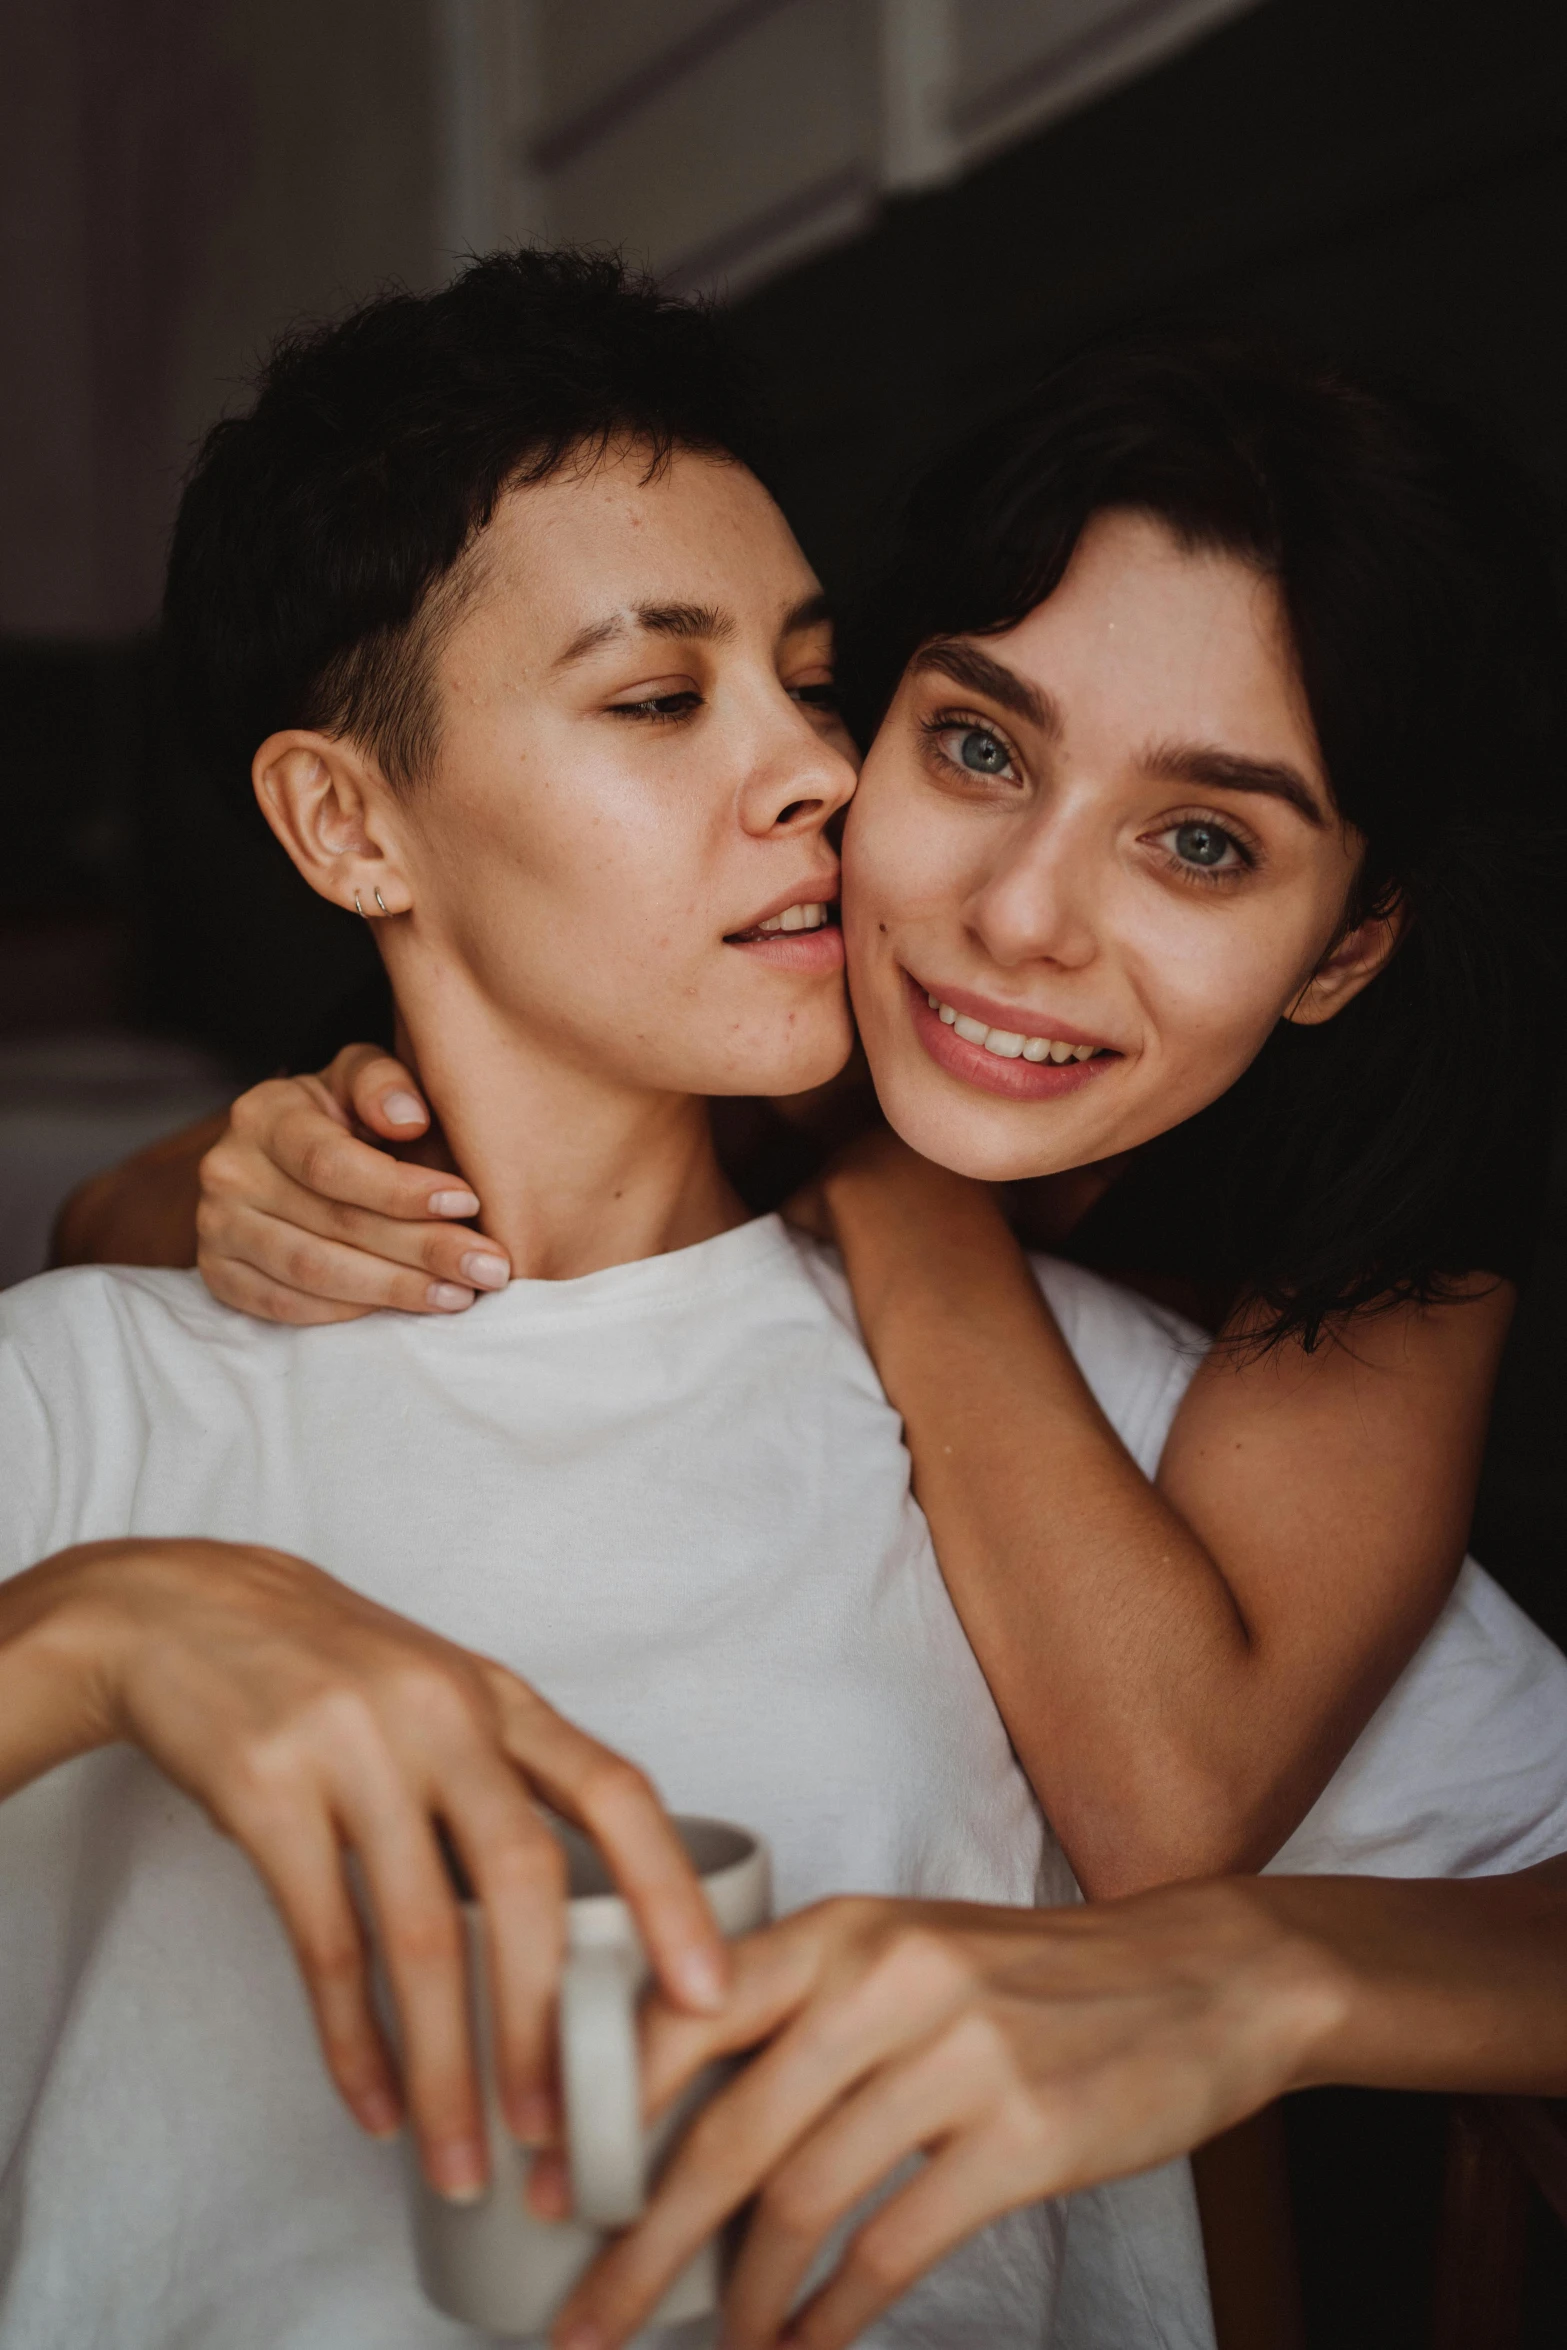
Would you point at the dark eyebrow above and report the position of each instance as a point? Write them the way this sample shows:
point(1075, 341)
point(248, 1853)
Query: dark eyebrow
point(1224, 771)
point(966, 665)
point(675, 620)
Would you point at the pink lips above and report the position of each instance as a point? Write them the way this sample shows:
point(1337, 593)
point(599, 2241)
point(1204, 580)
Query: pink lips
point(1019, 1081)
point(797, 950)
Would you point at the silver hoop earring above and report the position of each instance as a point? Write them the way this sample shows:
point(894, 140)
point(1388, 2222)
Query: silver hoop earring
point(380, 901)
point(358, 908)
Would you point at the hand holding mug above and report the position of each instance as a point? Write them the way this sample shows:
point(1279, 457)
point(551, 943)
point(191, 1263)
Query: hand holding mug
point(311, 1724)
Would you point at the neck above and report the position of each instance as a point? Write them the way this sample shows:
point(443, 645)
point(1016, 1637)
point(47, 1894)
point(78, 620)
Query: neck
point(574, 1173)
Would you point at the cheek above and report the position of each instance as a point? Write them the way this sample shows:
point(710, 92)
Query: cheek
point(901, 862)
point(1214, 980)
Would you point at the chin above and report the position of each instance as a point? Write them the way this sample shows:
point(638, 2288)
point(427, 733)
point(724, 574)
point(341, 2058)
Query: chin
point(796, 1063)
point(991, 1142)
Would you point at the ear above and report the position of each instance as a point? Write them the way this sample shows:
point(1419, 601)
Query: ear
point(1348, 967)
point(333, 811)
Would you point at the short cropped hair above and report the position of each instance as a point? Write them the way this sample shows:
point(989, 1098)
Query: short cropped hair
point(317, 549)
point(1380, 1156)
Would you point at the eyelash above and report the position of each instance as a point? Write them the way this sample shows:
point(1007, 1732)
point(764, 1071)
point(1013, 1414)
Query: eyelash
point(660, 710)
point(945, 722)
point(964, 722)
point(1211, 876)
point(670, 709)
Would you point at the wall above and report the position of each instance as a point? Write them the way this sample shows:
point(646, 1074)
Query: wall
point(1388, 179)
point(177, 179)
point(723, 140)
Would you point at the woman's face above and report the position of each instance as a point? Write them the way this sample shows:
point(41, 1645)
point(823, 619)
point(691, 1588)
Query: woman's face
point(621, 857)
point(1092, 861)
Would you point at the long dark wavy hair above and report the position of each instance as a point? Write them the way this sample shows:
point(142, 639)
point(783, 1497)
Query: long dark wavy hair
point(1398, 1148)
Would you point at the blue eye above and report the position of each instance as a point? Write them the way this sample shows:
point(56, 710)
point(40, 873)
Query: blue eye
point(1203, 845)
point(983, 753)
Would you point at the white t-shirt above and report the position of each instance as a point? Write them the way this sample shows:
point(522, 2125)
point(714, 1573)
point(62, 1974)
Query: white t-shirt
point(673, 1496)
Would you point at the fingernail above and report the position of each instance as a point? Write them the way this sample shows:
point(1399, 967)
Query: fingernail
point(581, 2334)
point(533, 2119)
point(402, 1109)
point(485, 1272)
point(379, 2113)
point(447, 1298)
point(453, 1203)
point(457, 2170)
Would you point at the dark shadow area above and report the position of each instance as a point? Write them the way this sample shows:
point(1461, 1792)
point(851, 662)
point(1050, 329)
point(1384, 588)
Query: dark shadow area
point(1366, 2171)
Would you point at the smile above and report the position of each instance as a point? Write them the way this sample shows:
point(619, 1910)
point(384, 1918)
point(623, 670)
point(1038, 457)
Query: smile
point(1007, 1043)
point(1005, 1061)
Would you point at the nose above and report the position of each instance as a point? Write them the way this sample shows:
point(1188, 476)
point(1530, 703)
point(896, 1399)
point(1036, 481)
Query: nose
point(1036, 903)
point(799, 776)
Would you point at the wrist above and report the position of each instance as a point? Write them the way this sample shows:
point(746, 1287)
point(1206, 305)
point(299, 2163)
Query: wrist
point(62, 1638)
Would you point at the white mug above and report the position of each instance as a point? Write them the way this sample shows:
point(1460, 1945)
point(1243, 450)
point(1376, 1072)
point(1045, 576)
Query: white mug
point(495, 2263)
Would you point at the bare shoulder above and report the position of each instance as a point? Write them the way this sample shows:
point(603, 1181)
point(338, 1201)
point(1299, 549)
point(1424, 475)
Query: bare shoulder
point(1406, 1359)
point(1355, 1464)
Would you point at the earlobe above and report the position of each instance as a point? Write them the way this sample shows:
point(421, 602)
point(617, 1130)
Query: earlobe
point(1348, 967)
point(328, 806)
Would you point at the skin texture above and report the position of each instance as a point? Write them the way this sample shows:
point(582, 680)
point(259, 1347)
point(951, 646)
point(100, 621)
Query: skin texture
point(1029, 2054)
point(632, 766)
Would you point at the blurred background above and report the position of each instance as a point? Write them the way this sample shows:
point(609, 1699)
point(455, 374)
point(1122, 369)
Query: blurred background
point(909, 205)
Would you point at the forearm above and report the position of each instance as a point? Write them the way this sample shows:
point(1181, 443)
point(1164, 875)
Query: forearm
point(1115, 1648)
point(1427, 1985)
point(142, 1212)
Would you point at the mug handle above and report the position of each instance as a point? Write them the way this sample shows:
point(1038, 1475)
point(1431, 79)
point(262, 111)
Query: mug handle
point(601, 2080)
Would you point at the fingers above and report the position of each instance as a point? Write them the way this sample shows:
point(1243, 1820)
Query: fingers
point(299, 1857)
point(961, 2189)
point(923, 2102)
point(378, 1091)
point(291, 1193)
point(251, 1292)
point(291, 1256)
point(518, 1871)
point(751, 2127)
point(291, 1129)
point(424, 1949)
point(618, 1806)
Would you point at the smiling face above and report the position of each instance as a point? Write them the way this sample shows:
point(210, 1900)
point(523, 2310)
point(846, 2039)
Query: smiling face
point(619, 854)
point(1093, 861)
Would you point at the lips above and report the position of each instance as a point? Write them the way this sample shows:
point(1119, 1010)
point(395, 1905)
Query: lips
point(796, 933)
point(1004, 1050)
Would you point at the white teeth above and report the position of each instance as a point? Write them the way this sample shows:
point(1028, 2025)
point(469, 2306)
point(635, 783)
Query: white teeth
point(1008, 1044)
point(794, 918)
